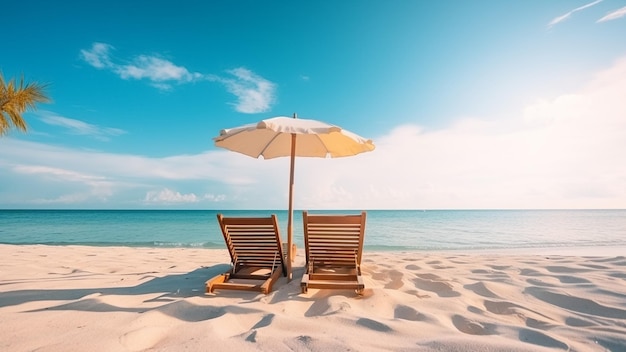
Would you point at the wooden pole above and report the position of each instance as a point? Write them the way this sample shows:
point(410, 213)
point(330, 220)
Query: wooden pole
point(290, 249)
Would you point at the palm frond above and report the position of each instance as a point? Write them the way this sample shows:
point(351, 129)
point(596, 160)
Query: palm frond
point(15, 99)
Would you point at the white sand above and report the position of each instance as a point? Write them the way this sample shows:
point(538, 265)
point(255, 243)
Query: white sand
point(133, 299)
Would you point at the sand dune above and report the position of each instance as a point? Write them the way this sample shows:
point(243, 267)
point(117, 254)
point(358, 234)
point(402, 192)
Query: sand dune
point(77, 298)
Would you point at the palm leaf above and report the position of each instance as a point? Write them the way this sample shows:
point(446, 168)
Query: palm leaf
point(15, 99)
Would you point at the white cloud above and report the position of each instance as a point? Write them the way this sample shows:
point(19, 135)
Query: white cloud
point(562, 18)
point(58, 173)
point(215, 197)
point(167, 196)
point(66, 200)
point(98, 56)
point(156, 70)
point(254, 93)
point(86, 186)
point(160, 72)
point(614, 15)
point(561, 152)
point(80, 127)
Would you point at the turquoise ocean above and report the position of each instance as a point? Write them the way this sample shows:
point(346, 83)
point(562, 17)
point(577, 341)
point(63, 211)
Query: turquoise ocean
point(395, 230)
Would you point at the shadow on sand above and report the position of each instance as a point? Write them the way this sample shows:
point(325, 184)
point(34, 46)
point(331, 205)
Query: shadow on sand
point(170, 287)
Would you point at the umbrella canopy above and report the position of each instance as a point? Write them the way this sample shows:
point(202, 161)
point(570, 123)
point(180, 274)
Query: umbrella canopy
point(289, 136)
point(271, 138)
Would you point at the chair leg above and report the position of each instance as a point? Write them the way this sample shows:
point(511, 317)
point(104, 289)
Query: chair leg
point(304, 284)
point(267, 285)
point(215, 280)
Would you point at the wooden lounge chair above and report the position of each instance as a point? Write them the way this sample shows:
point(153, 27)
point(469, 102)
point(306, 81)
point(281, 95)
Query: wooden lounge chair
point(256, 254)
point(333, 246)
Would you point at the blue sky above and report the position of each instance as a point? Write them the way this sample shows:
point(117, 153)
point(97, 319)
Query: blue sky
point(481, 104)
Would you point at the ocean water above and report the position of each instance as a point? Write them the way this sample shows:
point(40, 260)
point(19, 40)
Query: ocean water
point(385, 230)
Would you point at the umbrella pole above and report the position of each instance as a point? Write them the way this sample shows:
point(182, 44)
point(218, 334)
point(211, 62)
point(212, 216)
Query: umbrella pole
point(290, 253)
point(290, 248)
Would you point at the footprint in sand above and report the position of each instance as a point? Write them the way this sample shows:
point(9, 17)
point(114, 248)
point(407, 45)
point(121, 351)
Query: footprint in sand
point(481, 289)
point(326, 307)
point(595, 266)
point(530, 272)
point(408, 313)
point(566, 279)
point(441, 288)
point(392, 277)
point(417, 294)
point(537, 282)
point(538, 324)
point(577, 322)
point(376, 275)
point(429, 277)
point(472, 327)
point(541, 339)
point(501, 308)
point(373, 324)
point(395, 277)
point(493, 272)
point(509, 308)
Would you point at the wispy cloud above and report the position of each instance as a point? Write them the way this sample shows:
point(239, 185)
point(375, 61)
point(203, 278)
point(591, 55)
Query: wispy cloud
point(59, 173)
point(614, 15)
point(562, 18)
point(254, 93)
point(156, 70)
point(86, 186)
point(160, 72)
point(98, 55)
point(168, 196)
point(80, 127)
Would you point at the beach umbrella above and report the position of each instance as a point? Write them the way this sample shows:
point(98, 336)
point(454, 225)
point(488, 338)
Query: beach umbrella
point(284, 136)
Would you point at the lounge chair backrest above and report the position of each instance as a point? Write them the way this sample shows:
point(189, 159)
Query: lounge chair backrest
point(334, 239)
point(253, 242)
